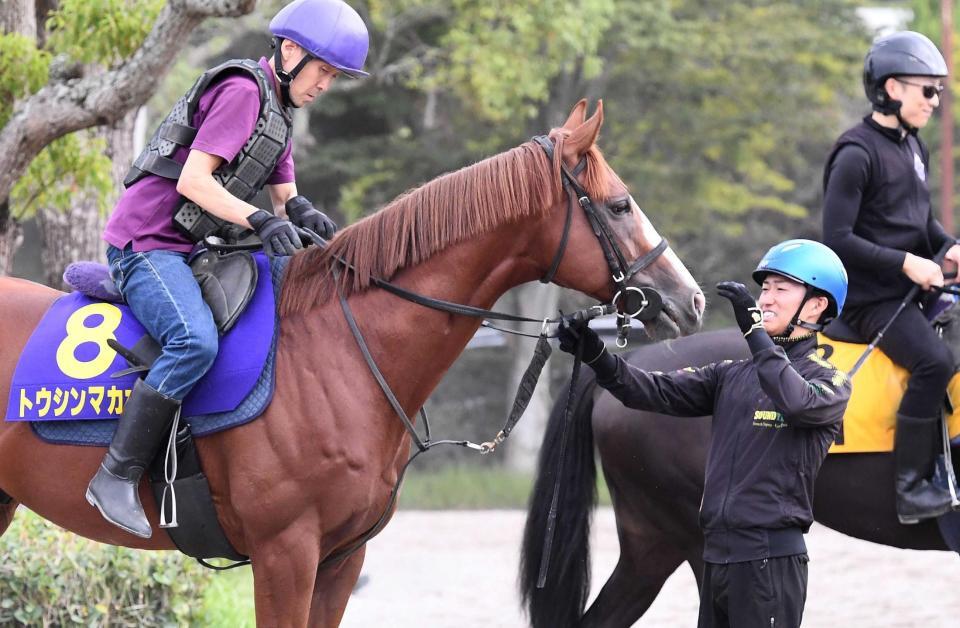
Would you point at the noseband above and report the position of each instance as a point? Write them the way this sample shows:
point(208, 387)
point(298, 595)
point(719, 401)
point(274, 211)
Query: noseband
point(642, 303)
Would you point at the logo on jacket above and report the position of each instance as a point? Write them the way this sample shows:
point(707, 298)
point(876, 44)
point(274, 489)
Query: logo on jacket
point(918, 166)
point(768, 418)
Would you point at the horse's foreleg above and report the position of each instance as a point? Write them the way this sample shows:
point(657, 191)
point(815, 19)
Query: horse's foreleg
point(6, 515)
point(332, 590)
point(284, 573)
point(645, 564)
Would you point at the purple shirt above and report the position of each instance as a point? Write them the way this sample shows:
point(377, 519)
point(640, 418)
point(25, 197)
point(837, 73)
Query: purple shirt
point(225, 118)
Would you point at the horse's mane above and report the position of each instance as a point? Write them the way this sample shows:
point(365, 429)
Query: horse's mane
point(453, 208)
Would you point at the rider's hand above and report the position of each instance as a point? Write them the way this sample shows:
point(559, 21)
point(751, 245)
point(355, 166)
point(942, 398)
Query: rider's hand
point(745, 308)
point(279, 236)
point(951, 261)
point(570, 332)
point(922, 271)
point(302, 213)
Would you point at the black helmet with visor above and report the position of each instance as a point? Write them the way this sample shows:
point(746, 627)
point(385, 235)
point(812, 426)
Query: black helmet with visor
point(905, 53)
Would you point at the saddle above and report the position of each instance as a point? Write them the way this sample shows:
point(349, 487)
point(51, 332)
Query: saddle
point(227, 279)
point(869, 422)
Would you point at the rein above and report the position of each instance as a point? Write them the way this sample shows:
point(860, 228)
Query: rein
point(628, 302)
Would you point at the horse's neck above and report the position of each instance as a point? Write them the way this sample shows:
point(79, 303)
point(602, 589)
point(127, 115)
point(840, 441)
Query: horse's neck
point(414, 345)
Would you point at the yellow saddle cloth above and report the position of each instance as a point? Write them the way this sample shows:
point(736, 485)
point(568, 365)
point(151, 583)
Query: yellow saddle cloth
point(871, 416)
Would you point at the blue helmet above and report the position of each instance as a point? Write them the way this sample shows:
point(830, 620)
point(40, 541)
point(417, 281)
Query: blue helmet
point(327, 29)
point(809, 263)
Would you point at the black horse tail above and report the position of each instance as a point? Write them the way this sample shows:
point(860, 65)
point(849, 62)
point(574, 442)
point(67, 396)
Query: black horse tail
point(560, 603)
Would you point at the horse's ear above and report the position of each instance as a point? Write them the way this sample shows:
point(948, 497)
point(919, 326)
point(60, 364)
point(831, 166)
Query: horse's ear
point(577, 115)
point(583, 136)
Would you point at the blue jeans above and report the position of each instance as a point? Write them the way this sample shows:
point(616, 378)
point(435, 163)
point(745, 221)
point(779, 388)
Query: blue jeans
point(162, 293)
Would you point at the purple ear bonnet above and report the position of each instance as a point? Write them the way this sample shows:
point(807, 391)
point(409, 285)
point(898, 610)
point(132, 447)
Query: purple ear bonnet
point(328, 29)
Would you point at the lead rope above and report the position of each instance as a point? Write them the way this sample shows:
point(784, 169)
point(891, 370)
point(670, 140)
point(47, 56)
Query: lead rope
point(528, 383)
point(552, 515)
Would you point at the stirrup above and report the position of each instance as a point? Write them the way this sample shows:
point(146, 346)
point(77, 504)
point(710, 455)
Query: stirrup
point(943, 474)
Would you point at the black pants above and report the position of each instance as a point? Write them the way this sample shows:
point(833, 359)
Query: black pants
point(913, 344)
point(767, 593)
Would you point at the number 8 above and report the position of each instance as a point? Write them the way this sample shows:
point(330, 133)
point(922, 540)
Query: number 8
point(78, 333)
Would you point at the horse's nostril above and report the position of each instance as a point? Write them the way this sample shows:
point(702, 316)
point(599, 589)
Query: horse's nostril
point(699, 303)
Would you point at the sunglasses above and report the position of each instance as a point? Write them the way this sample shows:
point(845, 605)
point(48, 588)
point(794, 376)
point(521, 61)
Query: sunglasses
point(929, 91)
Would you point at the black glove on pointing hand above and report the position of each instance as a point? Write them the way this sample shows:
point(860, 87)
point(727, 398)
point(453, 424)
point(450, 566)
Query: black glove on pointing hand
point(745, 308)
point(302, 213)
point(279, 236)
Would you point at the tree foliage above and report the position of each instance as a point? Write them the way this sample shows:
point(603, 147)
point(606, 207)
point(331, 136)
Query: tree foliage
point(499, 57)
point(105, 32)
point(23, 70)
point(100, 32)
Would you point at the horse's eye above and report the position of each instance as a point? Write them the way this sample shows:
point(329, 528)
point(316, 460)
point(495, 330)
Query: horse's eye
point(621, 207)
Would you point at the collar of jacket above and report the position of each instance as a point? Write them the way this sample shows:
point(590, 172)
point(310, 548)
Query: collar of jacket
point(800, 344)
point(894, 135)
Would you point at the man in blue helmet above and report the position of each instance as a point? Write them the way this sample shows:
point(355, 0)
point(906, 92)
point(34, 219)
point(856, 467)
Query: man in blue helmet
point(878, 219)
point(225, 140)
point(774, 418)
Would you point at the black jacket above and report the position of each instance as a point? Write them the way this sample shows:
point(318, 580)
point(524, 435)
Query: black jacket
point(774, 418)
point(876, 209)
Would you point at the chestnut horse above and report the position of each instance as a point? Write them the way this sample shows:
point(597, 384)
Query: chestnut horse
point(316, 470)
point(654, 465)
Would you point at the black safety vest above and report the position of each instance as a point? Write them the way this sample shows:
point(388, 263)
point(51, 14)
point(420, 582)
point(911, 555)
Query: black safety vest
point(895, 209)
point(245, 175)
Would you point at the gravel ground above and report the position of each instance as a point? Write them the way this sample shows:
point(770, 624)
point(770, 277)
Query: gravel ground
point(458, 569)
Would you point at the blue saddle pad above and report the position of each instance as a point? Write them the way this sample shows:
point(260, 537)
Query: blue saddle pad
point(236, 390)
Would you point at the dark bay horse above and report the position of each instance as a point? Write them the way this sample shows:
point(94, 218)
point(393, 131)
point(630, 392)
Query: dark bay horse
point(654, 466)
point(316, 470)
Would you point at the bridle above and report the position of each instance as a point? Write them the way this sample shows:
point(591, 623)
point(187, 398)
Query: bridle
point(643, 303)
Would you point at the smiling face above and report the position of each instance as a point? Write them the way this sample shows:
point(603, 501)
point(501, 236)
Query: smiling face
point(916, 109)
point(779, 300)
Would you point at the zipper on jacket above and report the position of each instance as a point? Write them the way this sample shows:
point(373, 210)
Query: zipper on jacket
point(726, 493)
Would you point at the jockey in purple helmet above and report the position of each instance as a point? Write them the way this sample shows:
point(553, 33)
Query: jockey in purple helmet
point(327, 30)
point(226, 139)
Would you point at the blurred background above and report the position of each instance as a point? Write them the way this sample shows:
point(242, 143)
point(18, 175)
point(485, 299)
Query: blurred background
point(718, 115)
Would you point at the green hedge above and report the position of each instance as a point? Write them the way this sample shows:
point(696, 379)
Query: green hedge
point(51, 577)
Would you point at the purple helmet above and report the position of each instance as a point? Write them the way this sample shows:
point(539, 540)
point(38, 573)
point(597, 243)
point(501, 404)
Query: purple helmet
point(328, 29)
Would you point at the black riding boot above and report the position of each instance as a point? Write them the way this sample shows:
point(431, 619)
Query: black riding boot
point(915, 454)
point(113, 490)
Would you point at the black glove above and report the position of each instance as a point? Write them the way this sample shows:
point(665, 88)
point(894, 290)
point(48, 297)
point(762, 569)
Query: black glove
point(569, 332)
point(302, 213)
point(279, 236)
point(745, 308)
